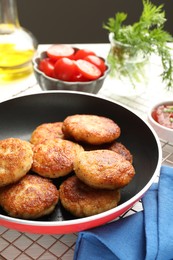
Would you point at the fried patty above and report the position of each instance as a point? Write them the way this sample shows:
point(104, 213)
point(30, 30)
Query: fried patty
point(103, 169)
point(91, 129)
point(120, 149)
point(47, 131)
point(113, 146)
point(15, 160)
point(30, 198)
point(54, 158)
point(82, 201)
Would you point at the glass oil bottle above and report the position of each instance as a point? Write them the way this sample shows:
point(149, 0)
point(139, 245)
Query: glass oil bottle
point(17, 45)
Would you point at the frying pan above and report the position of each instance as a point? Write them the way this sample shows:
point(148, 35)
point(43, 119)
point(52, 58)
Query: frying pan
point(20, 116)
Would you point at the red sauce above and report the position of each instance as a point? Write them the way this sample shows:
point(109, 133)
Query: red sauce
point(164, 115)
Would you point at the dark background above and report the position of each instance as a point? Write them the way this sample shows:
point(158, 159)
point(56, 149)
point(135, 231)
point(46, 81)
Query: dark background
point(79, 21)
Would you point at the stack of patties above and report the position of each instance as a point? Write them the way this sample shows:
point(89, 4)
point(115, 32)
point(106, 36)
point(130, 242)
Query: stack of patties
point(101, 172)
point(23, 195)
point(81, 152)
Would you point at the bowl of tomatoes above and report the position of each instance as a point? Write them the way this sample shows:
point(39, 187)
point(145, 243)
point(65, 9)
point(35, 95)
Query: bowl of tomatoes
point(160, 116)
point(63, 67)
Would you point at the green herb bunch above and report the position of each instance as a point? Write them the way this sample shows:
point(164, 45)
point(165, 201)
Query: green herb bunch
point(146, 35)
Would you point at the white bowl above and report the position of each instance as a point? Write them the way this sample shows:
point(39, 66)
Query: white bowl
point(163, 132)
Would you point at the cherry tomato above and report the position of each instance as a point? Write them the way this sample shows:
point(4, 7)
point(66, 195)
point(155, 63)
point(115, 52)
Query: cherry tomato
point(88, 70)
point(58, 51)
point(78, 78)
point(82, 53)
point(96, 61)
point(47, 66)
point(65, 69)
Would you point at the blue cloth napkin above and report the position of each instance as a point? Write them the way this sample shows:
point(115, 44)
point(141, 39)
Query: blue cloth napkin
point(144, 235)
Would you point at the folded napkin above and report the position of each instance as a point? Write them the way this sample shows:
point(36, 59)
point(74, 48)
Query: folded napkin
point(144, 235)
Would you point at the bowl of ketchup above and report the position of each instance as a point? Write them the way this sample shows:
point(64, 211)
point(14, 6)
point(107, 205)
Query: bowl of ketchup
point(160, 117)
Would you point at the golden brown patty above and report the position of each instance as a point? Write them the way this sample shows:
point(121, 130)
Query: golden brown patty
point(120, 149)
point(114, 146)
point(91, 129)
point(82, 200)
point(47, 131)
point(54, 158)
point(15, 160)
point(30, 198)
point(103, 169)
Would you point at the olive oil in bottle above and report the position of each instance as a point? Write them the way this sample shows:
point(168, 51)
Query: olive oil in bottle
point(17, 45)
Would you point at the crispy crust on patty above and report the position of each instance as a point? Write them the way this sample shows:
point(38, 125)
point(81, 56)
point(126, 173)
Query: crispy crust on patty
point(114, 146)
point(91, 129)
point(15, 160)
point(30, 198)
point(47, 131)
point(54, 158)
point(103, 169)
point(120, 149)
point(82, 200)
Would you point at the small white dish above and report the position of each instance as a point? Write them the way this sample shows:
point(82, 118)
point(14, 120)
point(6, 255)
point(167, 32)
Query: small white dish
point(163, 132)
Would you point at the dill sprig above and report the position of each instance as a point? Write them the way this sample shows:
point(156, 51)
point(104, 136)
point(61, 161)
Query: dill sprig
point(147, 34)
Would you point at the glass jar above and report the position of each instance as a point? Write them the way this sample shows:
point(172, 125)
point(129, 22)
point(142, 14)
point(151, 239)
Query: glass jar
point(128, 68)
point(17, 45)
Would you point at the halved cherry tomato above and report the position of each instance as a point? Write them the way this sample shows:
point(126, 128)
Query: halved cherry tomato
point(78, 78)
point(96, 61)
point(47, 66)
point(88, 70)
point(82, 53)
point(65, 69)
point(58, 51)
